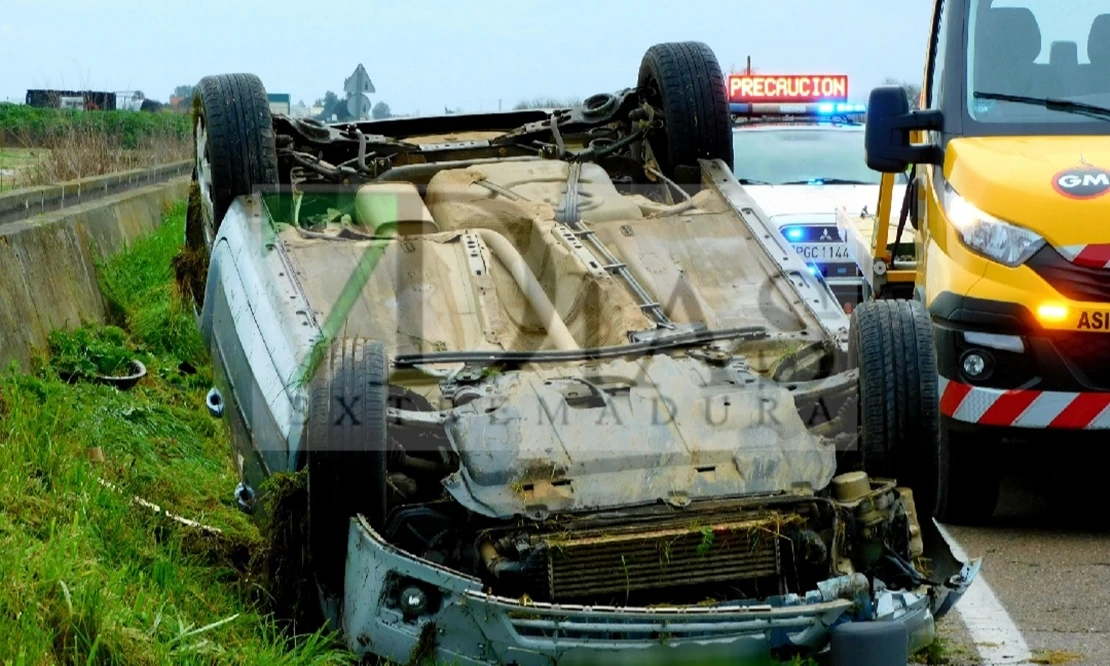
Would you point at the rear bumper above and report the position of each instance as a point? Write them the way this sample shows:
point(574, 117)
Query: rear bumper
point(1034, 378)
point(463, 624)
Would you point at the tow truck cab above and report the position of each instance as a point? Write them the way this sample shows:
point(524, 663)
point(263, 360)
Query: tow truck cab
point(1008, 215)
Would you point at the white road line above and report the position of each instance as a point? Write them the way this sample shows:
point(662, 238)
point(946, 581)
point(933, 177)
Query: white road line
point(997, 639)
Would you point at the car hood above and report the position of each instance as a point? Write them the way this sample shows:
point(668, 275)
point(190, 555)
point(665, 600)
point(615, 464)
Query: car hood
point(1057, 186)
point(798, 203)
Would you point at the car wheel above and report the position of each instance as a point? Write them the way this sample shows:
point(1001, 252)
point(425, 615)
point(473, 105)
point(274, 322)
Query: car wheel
point(234, 152)
point(345, 451)
point(891, 344)
point(685, 81)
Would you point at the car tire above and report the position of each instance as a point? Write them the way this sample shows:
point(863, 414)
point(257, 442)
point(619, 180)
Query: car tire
point(346, 451)
point(869, 644)
point(891, 344)
point(685, 82)
point(234, 152)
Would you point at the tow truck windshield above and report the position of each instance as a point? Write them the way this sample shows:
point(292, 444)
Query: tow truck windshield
point(1039, 63)
point(803, 155)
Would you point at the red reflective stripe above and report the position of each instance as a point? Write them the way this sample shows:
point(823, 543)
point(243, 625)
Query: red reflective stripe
point(1008, 407)
point(1081, 411)
point(954, 394)
point(1096, 256)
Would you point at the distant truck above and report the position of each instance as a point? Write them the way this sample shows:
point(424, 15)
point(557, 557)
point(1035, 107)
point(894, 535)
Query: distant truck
point(87, 100)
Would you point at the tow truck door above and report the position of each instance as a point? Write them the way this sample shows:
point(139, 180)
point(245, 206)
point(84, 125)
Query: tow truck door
point(924, 206)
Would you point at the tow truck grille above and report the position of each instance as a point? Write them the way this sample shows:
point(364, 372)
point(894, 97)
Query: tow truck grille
point(1079, 283)
point(672, 555)
point(1089, 353)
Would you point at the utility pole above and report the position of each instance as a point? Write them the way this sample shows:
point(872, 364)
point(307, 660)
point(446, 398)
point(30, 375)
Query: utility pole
point(749, 65)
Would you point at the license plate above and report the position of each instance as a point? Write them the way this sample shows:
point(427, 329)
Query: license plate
point(823, 251)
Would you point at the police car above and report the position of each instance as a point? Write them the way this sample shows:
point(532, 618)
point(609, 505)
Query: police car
point(799, 152)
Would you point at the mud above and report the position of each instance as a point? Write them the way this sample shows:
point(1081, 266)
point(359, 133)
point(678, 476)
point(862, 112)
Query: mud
point(281, 564)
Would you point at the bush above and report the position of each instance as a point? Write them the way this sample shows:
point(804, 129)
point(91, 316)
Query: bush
point(128, 130)
point(80, 144)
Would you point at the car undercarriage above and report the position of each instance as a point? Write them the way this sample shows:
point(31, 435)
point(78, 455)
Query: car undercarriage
point(553, 363)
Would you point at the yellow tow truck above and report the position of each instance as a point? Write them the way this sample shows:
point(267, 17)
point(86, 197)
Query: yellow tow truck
point(999, 255)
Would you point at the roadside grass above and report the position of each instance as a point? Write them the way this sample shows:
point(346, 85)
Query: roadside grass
point(944, 652)
point(127, 129)
point(15, 163)
point(49, 146)
point(92, 577)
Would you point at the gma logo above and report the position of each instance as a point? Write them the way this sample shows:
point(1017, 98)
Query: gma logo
point(1072, 181)
point(1082, 183)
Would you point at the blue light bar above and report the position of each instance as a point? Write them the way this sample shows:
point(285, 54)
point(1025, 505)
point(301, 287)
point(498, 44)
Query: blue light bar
point(819, 109)
point(794, 233)
point(813, 269)
point(841, 107)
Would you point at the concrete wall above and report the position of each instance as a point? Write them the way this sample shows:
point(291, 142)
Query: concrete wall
point(47, 262)
point(22, 203)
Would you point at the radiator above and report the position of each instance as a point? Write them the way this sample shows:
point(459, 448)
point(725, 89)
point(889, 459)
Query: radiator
point(659, 556)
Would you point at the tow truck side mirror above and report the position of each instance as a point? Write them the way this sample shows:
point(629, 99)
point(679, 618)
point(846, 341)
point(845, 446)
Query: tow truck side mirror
point(887, 133)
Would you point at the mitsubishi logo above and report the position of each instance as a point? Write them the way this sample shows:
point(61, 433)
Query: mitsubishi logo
point(825, 235)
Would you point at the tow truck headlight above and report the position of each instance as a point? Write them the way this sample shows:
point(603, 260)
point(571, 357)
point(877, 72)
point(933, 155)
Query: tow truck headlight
point(987, 235)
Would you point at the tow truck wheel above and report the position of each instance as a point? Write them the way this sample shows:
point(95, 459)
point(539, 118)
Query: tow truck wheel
point(234, 152)
point(685, 82)
point(969, 491)
point(345, 451)
point(891, 344)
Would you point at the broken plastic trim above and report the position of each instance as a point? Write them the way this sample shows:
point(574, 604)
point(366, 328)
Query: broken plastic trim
point(746, 333)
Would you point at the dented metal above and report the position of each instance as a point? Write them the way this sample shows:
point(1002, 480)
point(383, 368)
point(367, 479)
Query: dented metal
point(657, 479)
point(663, 429)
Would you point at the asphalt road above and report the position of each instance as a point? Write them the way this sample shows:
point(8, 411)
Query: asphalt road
point(1046, 566)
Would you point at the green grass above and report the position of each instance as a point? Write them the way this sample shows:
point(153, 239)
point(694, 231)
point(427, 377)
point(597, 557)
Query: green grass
point(942, 652)
point(90, 577)
point(30, 126)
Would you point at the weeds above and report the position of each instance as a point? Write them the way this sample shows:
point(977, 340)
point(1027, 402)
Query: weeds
point(1055, 657)
point(89, 352)
point(81, 152)
point(89, 576)
point(942, 652)
point(68, 145)
point(127, 129)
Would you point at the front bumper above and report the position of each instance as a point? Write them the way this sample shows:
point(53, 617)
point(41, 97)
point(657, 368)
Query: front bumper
point(460, 623)
point(1034, 378)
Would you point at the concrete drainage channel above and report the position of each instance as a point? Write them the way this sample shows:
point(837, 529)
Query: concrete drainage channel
point(51, 238)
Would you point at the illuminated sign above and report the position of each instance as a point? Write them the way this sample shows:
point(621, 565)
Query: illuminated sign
point(797, 88)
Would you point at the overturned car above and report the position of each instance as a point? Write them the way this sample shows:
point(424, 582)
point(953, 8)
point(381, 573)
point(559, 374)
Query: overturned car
point(563, 394)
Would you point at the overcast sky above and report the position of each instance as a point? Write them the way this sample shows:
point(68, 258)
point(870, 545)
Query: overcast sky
point(424, 54)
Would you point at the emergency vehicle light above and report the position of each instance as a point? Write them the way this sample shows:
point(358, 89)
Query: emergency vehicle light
point(829, 107)
point(822, 109)
point(794, 233)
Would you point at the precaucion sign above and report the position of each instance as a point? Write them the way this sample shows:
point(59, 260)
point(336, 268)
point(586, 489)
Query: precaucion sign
point(796, 88)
